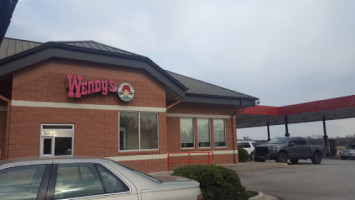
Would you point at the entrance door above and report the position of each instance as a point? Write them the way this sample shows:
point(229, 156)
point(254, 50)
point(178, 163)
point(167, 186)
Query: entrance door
point(57, 140)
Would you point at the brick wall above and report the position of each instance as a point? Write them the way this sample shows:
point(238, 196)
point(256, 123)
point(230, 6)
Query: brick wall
point(2, 130)
point(96, 131)
point(48, 82)
point(208, 111)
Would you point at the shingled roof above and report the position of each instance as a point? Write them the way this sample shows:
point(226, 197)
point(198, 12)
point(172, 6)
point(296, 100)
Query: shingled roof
point(11, 47)
point(193, 90)
point(201, 88)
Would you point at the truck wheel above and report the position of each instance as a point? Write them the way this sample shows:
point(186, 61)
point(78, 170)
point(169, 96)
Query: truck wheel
point(317, 158)
point(294, 161)
point(282, 157)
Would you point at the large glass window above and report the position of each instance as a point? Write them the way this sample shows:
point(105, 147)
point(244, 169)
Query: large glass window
point(219, 130)
point(21, 183)
point(204, 133)
point(129, 136)
point(187, 133)
point(138, 131)
point(148, 131)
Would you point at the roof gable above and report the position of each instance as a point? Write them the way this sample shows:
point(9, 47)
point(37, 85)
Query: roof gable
point(17, 54)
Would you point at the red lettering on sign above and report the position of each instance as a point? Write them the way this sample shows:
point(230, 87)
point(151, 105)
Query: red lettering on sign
point(78, 87)
point(74, 83)
point(112, 85)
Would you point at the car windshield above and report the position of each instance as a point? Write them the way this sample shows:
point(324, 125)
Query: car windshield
point(278, 141)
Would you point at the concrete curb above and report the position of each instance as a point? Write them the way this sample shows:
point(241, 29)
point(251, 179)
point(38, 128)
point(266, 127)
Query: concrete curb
point(262, 196)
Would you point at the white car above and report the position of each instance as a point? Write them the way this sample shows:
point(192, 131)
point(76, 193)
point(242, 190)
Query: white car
point(88, 178)
point(348, 152)
point(249, 146)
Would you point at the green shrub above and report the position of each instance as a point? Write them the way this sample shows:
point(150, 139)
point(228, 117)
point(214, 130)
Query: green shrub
point(243, 155)
point(216, 182)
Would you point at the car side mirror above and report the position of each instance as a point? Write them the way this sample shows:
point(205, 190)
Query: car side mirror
point(290, 144)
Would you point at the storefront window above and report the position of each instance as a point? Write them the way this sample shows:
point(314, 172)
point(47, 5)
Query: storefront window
point(138, 131)
point(219, 130)
point(129, 136)
point(149, 130)
point(57, 139)
point(187, 133)
point(204, 133)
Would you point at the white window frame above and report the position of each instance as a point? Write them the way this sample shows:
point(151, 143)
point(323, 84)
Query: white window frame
point(56, 133)
point(193, 133)
point(198, 133)
point(139, 132)
point(225, 134)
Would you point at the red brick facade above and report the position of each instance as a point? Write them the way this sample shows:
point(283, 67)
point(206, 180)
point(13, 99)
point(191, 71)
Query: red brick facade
point(96, 130)
point(2, 129)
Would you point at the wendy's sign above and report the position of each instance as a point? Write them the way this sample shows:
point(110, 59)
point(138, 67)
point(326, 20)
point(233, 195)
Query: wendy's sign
point(78, 88)
point(126, 92)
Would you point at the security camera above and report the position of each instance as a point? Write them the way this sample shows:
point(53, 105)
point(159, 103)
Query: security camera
point(257, 102)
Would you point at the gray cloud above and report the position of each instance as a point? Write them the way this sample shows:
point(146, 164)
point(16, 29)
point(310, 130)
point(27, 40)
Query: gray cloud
point(283, 52)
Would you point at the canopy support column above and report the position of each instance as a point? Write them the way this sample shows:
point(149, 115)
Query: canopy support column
point(325, 137)
point(268, 131)
point(287, 134)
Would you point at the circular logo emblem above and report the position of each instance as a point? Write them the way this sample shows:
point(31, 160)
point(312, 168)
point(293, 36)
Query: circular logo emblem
point(126, 92)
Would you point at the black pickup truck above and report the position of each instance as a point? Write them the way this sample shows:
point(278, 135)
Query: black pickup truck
point(288, 148)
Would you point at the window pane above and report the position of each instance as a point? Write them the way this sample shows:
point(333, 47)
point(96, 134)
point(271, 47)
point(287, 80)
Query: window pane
point(112, 183)
point(129, 131)
point(21, 183)
point(203, 128)
point(219, 132)
point(149, 131)
point(77, 180)
point(63, 146)
point(47, 146)
point(187, 132)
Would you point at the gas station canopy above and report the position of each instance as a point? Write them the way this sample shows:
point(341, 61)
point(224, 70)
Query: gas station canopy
point(330, 109)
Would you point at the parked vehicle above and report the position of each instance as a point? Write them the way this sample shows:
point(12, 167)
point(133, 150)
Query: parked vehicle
point(288, 148)
point(88, 178)
point(249, 146)
point(348, 152)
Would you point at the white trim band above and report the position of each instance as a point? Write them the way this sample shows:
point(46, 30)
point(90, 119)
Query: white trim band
point(165, 156)
point(84, 106)
point(198, 115)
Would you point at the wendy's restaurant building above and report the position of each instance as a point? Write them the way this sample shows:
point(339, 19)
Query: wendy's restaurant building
point(84, 98)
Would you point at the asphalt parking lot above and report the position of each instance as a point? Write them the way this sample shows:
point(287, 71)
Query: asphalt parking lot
point(332, 179)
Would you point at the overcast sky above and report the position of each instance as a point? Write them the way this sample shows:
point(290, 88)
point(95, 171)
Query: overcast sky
point(283, 52)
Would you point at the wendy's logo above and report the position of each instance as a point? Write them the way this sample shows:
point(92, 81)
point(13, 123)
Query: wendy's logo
point(126, 92)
